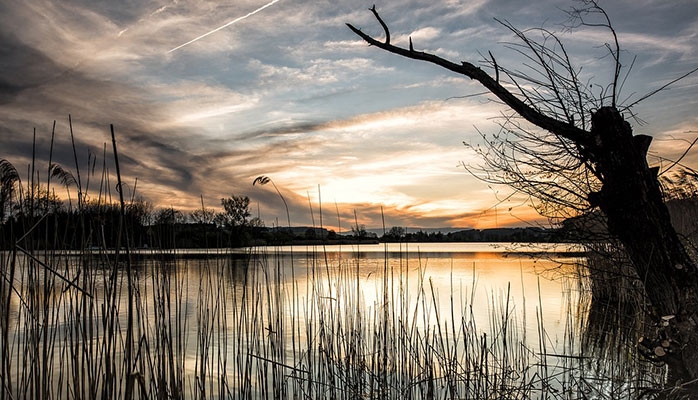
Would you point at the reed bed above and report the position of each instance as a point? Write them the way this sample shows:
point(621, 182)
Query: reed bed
point(250, 326)
point(98, 323)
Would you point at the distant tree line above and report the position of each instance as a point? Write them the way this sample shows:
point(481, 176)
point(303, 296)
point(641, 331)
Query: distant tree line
point(521, 235)
point(41, 219)
point(44, 221)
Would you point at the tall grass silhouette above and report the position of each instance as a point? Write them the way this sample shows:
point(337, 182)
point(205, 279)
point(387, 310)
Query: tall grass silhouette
point(272, 322)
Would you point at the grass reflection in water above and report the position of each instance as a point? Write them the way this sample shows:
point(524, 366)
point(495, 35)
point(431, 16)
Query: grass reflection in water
point(313, 322)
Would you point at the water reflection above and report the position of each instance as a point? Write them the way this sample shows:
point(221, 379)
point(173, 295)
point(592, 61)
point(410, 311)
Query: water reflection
point(290, 321)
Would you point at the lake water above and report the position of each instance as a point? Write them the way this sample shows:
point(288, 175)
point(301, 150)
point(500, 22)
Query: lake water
point(302, 321)
point(539, 278)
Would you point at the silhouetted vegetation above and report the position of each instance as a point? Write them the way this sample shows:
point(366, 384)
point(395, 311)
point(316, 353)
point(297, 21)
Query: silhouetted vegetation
point(96, 226)
point(576, 154)
point(64, 335)
point(76, 323)
point(95, 223)
point(492, 235)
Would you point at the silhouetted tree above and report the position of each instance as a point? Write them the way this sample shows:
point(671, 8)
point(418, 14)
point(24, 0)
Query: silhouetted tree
point(203, 216)
point(38, 202)
point(236, 211)
point(168, 216)
point(395, 233)
point(586, 157)
point(359, 231)
point(141, 211)
point(235, 219)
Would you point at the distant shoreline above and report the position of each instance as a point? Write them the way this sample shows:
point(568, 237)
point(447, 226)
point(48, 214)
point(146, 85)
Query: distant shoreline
point(556, 249)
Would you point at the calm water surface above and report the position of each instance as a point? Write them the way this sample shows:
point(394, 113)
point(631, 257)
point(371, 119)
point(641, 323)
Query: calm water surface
point(217, 307)
point(464, 277)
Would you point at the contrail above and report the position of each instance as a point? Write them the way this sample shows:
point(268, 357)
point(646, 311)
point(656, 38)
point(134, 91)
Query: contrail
point(271, 3)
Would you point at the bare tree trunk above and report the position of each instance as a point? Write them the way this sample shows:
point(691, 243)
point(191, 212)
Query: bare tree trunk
point(638, 217)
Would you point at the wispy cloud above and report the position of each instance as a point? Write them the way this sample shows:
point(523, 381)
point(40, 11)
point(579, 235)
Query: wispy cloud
point(298, 97)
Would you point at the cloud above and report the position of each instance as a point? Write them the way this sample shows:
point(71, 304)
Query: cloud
point(315, 72)
point(359, 160)
point(23, 67)
point(293, 94)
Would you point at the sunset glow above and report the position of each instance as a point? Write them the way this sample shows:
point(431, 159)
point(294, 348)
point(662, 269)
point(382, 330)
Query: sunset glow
point(206, 96)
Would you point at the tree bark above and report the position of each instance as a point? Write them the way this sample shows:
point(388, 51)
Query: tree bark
point(636, 214)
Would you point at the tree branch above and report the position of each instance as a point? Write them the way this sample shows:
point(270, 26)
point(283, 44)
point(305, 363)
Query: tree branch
point(385, 27)
point(557, 127)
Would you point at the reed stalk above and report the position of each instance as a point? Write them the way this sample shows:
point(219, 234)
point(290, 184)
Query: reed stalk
point(284, 323)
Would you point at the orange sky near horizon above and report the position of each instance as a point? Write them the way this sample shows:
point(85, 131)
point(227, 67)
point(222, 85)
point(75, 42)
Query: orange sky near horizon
point(206, 96)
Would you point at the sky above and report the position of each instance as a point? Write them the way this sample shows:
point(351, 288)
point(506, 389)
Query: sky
point(205, 96)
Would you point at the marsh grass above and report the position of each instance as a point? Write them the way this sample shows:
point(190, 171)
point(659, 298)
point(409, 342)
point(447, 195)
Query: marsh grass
point(93, 324)
point(240, 326)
